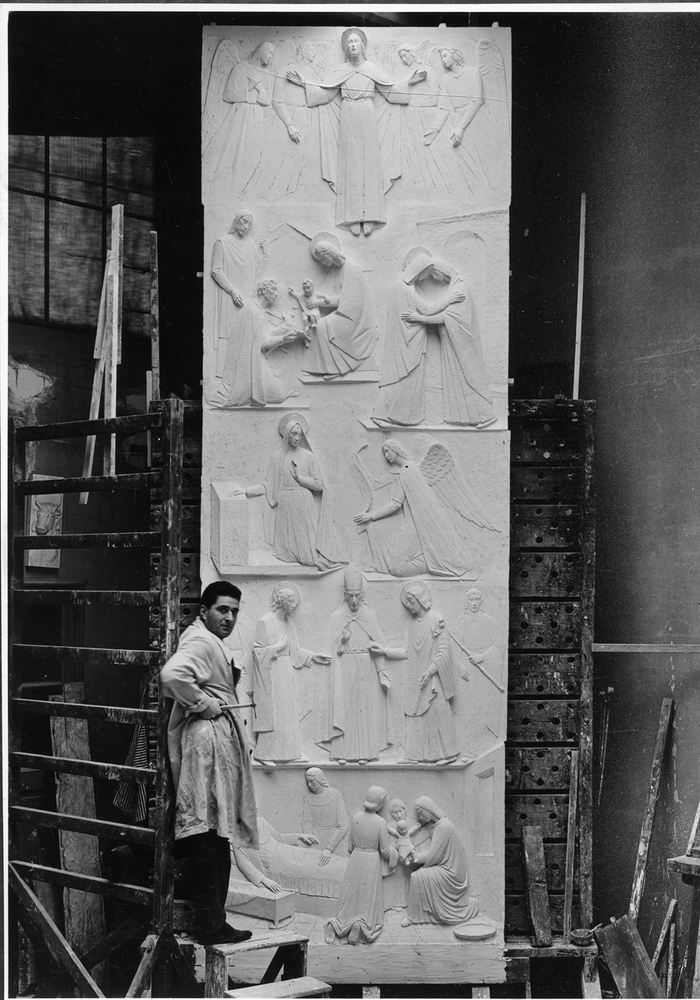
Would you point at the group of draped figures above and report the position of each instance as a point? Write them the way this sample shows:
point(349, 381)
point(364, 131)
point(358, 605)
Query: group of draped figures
point(352, 720)
point(289, 114)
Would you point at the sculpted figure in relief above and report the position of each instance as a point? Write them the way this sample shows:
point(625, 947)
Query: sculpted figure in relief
point(236, 263)
point(346, 331)
point(477, 634)
point(480, 117)
point(256, 370)
point(437, 891)
point(293, 487)
point(360, 914)
point(409, 518)
point(356, 727)
point(240, 132)
point(432, 296)
point(277, 654)
point(280, 863)
point(423, 172)
point(431, 681)
point(396, 882)
point(351, 154)
point(325, 816)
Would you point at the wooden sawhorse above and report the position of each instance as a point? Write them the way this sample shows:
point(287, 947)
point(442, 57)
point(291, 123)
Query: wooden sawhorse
point(290, 959)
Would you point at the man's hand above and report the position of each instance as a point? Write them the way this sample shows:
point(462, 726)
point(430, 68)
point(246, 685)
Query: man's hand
point(271, 885)
point(237, 300)
point(212, 711)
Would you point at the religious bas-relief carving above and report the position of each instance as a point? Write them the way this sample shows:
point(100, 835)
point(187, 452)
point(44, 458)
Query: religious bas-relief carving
point(277, 654)
point(430, 295)
point(416, 517)
point(44, 516)
point(409, 677)
point(293, 487)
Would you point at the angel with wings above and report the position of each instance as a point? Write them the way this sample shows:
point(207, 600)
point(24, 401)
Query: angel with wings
point(232, 142)
point(418, 518)
point(480, 117)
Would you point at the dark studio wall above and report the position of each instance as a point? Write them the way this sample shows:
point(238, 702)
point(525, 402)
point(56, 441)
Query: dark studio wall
point(606, 104)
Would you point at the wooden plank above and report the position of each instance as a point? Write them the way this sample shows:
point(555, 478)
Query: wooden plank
point(646, 647)
point(543, 440)
point(82, 710)
point(572, 826)
point(121, 426)
point(547, 811)
point(650, 810)
point(546, 574)
point(80, 824)
point(671, 967)
point(543, 675)
point(517, 920)
point(555, 865)
point(140, 982)
point(519, 945)
point(97, 380)
point(92, 769)
point(536, 891)
point(586, 716)
point(546, 625)
point(88, 883)
point(546, 721)
point(154, 325)
point(549, 484)
point(100, 484)
point(663, 934)
point(545, 526)
point(85, 654)
point(90, 540)
point(693, 849)
point(561, 408)
point(691, 958)
point(131, 598)
point(627, 959)
point(59, 947)
point(590, 982)
point(684, 865)
point(537, 769)
point(303, 986)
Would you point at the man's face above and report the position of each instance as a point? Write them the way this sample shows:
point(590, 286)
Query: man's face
point(473, 602)
point(353, 599)
point(242, 225)
point(412, 603)
point(290, 601)
point(271, 293)
point(221, 617)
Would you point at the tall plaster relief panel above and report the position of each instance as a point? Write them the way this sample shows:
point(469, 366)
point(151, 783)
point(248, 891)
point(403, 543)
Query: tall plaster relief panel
point(356, 187)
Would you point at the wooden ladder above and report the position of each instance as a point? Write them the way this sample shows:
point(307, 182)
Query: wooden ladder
point(153, 903)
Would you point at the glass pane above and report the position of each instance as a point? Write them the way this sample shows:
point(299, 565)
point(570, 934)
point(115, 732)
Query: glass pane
point(26, 258)
point(76, 168)
point(26, 162)
point(75, 265)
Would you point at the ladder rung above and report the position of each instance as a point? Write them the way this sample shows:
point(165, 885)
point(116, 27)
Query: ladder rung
point(80, 710)
point(88, 768)
point(84, 428)
point(79, 654)
point(82, 824)
point(88, 484)
point(127, 597)
point(101, 540)
point(88, 883)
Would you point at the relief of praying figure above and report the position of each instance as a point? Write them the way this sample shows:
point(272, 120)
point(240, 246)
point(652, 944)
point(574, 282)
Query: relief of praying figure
point(437, 892)
point(416, 517)
point(293, 487)
point(351, 142)
point(431, 296)
point(360, 913)
point(239, 134)
point(346, 330)
point(431, 681)
point(324, 815)
point(277, 653)
point(356, 728)
point(256, 369)
point(480, 120)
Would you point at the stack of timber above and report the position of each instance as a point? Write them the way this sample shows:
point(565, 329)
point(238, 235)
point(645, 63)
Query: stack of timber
point(550, 666)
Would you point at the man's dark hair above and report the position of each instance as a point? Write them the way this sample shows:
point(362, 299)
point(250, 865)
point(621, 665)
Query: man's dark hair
point(220, 588)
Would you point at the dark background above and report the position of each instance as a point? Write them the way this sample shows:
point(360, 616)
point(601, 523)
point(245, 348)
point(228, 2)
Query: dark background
point(603, 103)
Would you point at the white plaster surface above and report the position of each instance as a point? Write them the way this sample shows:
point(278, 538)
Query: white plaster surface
point(449, 483)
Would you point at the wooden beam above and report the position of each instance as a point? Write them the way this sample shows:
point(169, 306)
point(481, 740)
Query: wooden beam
point(646, 647)
point(59, 947)
point(665, 928)
point(536, 885)
point(123, 426)
point(102, 484)
point(627, 959)
point(89, 540)
point(155, 318)
point(80, 824)
point(693, 850)
point(143, 974)
point(572, 826)
point(75, 710)
point(133, 598)
point(649, 812)
point(88, 883)
point(89, 768)
point(86, 654)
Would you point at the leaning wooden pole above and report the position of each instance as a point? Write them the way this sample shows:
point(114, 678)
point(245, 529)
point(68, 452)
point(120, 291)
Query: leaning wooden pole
point(579, 294)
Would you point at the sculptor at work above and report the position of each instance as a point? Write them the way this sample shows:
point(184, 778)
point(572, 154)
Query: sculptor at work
point(293, 487)
point(209, 759)
point(355, 170)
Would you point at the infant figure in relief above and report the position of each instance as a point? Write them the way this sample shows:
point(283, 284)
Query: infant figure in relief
point(404, 845)
point(310, 305)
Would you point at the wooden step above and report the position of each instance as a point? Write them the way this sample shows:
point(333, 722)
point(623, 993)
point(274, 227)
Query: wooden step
point(89, 654)
point(88, 883)
point(304, 986)
point(80, 824)
point(94, 540)
point(90, 768)
point(133, 424)
point(89, 484)
point(81, 710)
